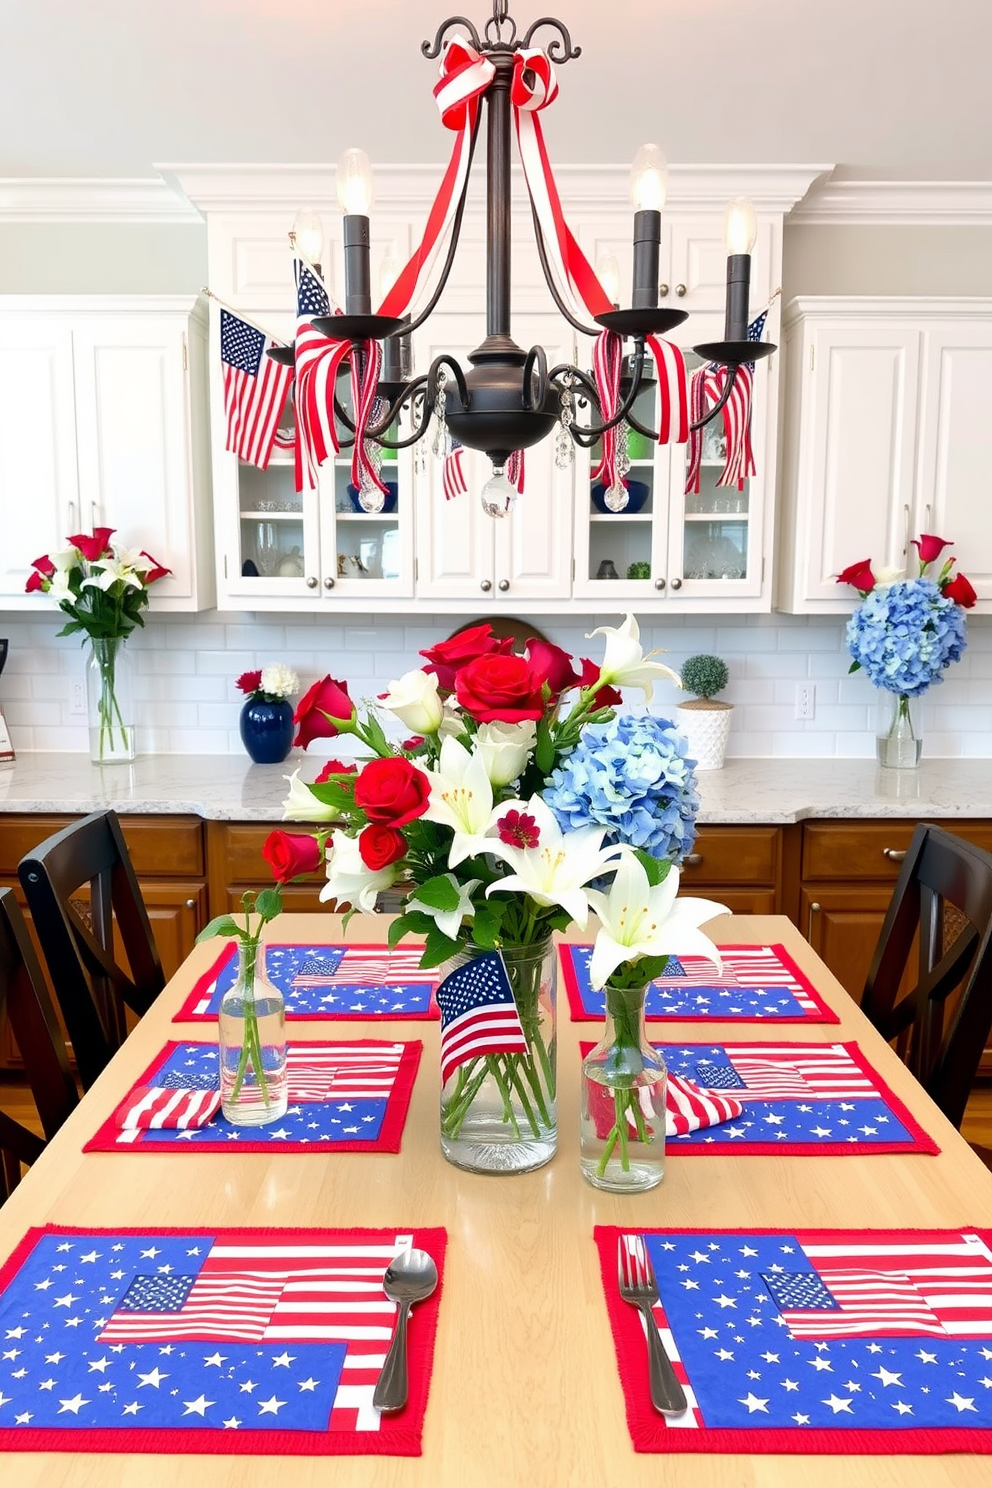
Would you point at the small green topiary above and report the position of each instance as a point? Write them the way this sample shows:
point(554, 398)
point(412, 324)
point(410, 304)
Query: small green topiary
point(705, 676)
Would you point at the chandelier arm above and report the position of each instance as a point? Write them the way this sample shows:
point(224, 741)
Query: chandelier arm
point(718, 405)
point(444, 360)
point(623, 412)
point(560, 49)
point(456, 228)
point(549, 279)
point(432, 50)
point(536, 359)
point(418, 387)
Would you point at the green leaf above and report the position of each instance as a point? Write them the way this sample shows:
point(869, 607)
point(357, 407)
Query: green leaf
point(657, 869)
point(224, 924)
point(439, 948)
point(333, 793)
point(650, 967)
point(485, 926)
point(854, 667)
point(412, 923)
point(544, 750)
point(438, 893)
point(269, 904)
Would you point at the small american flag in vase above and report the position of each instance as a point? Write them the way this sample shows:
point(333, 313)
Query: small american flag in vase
point(478, 1014)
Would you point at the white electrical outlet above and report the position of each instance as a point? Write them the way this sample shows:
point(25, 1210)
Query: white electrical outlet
point(77, 698)
point(805, 700)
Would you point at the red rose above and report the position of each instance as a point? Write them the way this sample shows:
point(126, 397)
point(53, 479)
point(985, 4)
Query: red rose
point(448, 658)
point(44, 565)
point(392, 792)
point(335, 767)
point(289, 857)
point(157, 571)
point(321, 710)
point(93, 547)
point(552, 664)
point(606, 697)
point(249, 681)
point(961, 591)
point(380, 846)
point(504, 689)
point(859, 576)
point(411, 745)
point(35, 581)
point(930, 547)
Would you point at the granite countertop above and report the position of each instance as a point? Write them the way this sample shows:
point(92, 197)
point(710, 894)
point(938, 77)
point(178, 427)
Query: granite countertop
point(230, 788)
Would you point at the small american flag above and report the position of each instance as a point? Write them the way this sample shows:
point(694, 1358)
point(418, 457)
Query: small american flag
point(755, 331)
point(255, 389)
point(374, 968)
point(478, 1014)
point(317, 360)
point(811, 1073)
point(888, 1290)
point(688, 1108)
point(341, 1072)
point(153, 1107)
point(453, 479)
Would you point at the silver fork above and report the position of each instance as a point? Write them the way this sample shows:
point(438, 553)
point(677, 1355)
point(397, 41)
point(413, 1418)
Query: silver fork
point(637, 1284)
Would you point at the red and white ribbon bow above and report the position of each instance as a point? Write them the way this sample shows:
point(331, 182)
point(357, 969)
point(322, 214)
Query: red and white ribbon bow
point(515, 471)
point(707, 388)
point(366, 364)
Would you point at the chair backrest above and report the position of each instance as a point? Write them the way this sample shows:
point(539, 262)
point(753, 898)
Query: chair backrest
point(77, 937)
point(943, 895)
point(25, 1001)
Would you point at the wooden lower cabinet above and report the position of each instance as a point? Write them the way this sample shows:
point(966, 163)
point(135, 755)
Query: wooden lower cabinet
point(842, 924)
point(235, 864)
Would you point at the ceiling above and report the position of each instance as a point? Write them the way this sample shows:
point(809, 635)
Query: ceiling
point(884, 88)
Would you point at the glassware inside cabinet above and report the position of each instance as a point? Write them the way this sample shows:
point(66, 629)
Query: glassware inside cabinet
point(620, 536)
point(716, 530)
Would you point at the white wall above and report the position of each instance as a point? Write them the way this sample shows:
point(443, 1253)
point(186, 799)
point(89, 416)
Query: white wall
point(187, 702)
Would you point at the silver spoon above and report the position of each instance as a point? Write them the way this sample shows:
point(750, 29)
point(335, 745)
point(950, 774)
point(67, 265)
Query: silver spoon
point(410, 1278)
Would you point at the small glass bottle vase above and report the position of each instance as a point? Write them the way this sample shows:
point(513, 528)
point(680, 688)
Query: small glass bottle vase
point(108, 702)
point(898, 742)
point(498, 1112)
point(622, 1121)
point(252, 1038)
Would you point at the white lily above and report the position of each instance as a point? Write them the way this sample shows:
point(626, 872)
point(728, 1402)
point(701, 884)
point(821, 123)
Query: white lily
point(505, 749)
point(555, 870)
point(625, 665)
point(349, 880)
point(65, 558)
point(105, 572)
point(302, 805)
point(414, 699)
point(462, 799)
point(637, 919)
point(449, 921)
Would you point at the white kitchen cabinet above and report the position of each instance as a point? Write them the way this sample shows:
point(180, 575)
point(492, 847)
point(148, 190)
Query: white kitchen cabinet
point(887, 436)
point(104, 424)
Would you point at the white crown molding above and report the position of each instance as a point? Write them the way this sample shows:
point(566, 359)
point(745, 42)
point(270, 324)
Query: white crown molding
point(865, 308)
point(85, 199)
point(896, 204)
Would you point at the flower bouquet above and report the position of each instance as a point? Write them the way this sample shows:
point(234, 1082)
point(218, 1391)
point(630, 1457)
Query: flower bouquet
point(266, 722)
point(103, 587)
point(496, 819)
point(904, 633)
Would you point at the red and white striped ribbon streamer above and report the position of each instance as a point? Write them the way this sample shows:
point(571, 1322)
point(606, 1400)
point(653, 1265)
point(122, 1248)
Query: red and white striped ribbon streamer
point(515, 471)
point(366, 364)
point(453, 479)
point(707, 387)
point(607, 359)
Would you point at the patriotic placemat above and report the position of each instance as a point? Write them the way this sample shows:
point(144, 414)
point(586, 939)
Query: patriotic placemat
point(845, 1341)
point(327, 981)
point(343, 1097)
point(810, 1100)
point(227, 1341)
point(758, 983)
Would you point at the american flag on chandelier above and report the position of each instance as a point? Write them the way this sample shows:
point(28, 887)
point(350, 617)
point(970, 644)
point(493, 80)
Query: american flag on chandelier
point(317, 360)
point(255, 389)
point(453, 476)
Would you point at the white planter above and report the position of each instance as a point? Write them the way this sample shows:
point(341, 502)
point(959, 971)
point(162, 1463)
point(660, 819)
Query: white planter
point(706, 726)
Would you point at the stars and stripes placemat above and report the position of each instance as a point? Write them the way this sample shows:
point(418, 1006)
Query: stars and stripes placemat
point(343, 1097)
point(327, 981)
point(813, 1340)
point(226, 1341)
point(809, 1100)
point(758, 983)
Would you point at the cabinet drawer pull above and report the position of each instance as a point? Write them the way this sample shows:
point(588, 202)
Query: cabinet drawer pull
point(813, 909)
point(485, 585)
point(662, 291)
point(894, 854)
point(504, 585)
point(659, 583)
point(328, 583)
point(676, 583)
point(692, 860)
point(190, 903)
point(680, 290)
point(311, 583)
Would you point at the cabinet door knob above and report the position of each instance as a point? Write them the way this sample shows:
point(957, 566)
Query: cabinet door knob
point(894, 854)
point(328, 582)
point(662, 291)
point(680, 290)
point(692, 860)
point(503, 585)
point(485, 585)
point(676, 583)
point(659, 583)
point(190, 903)
point(813, 909)
point(311, 583)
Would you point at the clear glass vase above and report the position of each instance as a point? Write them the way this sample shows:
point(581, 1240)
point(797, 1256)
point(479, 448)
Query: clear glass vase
point(622, 1121)
point(898, 743)
point(108, 702)
point(498, 1112)
point(254, 1085)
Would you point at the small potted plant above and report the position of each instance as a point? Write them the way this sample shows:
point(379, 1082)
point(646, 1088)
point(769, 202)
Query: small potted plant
point(705, 721)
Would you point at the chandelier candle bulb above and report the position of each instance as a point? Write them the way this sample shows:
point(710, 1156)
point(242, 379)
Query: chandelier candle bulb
point(608, 274)
point(308, 236)
point(739, 232)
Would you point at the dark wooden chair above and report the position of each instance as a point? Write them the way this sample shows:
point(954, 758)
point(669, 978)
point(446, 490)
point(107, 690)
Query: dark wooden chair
point(25, 1001)
point(941, 1024)
point(77, 935)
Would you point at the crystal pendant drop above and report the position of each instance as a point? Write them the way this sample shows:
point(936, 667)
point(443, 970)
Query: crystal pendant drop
point(616, 497)
point(498, 496)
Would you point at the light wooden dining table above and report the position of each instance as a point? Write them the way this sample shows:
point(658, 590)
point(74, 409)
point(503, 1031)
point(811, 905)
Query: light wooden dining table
point(524, 1389)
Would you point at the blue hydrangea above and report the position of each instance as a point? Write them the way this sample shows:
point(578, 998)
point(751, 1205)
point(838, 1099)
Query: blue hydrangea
point(905, 634)
point(632, 776)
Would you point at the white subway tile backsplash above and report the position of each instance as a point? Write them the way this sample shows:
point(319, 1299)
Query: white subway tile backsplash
point(184, 671)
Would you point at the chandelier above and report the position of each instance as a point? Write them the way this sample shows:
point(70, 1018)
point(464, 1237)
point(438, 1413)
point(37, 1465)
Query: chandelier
point(508, 398)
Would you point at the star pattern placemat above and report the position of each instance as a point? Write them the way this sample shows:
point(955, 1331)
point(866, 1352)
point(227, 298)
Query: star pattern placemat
point(835, 1341)
point(343, 1097)
point(759, 983)
point(207, 1341)
point(808, 1100)
point(327, 981)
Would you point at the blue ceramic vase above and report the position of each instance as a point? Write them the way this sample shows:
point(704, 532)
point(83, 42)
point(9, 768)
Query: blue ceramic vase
point(267, 730)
